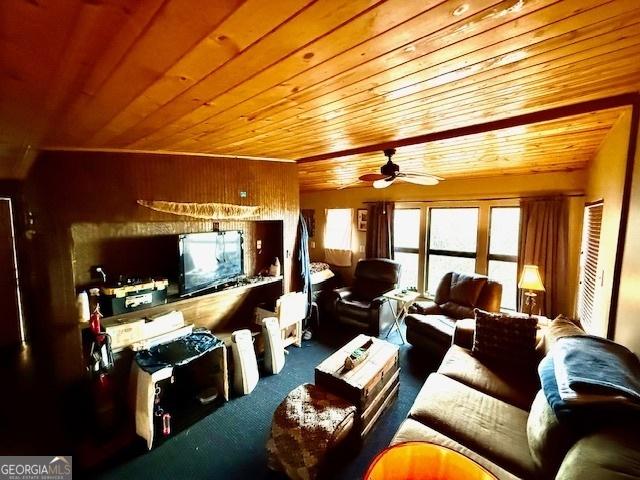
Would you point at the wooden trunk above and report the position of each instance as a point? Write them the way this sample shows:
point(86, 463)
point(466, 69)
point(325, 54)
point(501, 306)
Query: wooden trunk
point(371, 386)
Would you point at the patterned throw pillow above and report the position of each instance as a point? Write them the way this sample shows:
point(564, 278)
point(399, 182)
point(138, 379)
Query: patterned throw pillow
point(505, 339)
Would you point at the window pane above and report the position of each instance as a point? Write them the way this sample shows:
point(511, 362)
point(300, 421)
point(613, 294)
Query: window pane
point(507, 274)
point(337, 230)
point(406, 228)
point(505, 224)
point(441, 264)
point(454, 229)
point(409, 274)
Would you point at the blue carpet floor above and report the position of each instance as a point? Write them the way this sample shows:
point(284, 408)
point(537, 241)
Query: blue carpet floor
point(230, 442)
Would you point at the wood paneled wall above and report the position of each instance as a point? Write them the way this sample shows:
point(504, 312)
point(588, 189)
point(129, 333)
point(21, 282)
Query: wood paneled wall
point(68, 189)
point(150, 249)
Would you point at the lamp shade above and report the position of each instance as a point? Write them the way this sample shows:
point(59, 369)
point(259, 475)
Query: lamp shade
point(530, 278)
point(424, 461)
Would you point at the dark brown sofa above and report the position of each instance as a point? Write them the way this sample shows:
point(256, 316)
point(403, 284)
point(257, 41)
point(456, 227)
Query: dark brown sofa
point(361, 305)
point(486, 413)
point(457, 295)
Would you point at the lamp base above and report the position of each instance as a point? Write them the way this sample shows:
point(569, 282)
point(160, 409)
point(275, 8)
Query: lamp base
point(530, 300)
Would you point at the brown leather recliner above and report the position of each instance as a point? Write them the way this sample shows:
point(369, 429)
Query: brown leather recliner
point(457, 295)
point(362, 304)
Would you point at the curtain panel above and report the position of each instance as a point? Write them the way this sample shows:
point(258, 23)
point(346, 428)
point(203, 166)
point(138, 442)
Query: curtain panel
point(380, 230)
point(543, 242)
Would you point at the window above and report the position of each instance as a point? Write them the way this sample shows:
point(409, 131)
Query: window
point(406, 238)
point(589, 262)
point(453, 236)
point(337, 236)
point(504, 232)
point(472, 237)
point(337, 232)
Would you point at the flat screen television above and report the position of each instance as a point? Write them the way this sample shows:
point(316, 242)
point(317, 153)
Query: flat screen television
point(207, 260)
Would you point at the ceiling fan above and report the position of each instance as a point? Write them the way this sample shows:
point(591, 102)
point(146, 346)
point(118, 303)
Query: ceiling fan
point(390, 172)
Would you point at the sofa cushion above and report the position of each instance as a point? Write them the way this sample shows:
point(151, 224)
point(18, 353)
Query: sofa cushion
point(366, 289)
point(465, 289)
point(501, 338)
point(515, 388)
point(438, 327)
point(492, 428)
point(549, 440)
point(375, 276)
point(413, 431)
point(490, 296)
point(613, 454)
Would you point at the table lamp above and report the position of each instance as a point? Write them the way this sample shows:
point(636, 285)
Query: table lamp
point(531, 282)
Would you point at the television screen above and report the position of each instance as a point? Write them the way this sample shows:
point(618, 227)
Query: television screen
point(209, 259)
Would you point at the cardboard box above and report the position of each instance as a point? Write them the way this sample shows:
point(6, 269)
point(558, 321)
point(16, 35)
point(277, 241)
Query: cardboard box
point(125, 332)
point(162, 324)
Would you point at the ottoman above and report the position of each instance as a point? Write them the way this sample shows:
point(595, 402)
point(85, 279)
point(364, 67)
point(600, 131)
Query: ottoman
point(306, 426)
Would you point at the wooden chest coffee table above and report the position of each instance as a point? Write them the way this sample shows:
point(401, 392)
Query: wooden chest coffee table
point(371, 386)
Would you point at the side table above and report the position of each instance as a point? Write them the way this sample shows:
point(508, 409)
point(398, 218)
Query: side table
point(404, 299)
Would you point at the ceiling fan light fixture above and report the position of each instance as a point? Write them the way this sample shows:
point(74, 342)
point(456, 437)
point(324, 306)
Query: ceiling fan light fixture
point(390, 172)
point(382, 183)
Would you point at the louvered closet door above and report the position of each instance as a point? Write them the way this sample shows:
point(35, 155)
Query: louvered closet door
point(589, 262)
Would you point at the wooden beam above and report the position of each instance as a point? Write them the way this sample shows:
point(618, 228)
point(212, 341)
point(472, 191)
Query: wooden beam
point(627, 99)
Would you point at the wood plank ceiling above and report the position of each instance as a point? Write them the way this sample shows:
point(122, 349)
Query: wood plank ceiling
point(291, 79)
point(559, 145)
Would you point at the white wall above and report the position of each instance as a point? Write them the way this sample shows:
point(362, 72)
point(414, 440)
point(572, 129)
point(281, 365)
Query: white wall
point(606, 181)
point(627, 329)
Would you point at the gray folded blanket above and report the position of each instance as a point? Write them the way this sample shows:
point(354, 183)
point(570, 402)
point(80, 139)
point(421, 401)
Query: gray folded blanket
point(594, 365)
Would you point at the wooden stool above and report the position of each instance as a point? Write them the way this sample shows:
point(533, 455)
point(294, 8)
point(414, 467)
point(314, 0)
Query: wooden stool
point(306, 425)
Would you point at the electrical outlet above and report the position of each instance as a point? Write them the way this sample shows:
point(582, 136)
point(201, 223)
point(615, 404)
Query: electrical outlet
point(243, 194)
point(361, 249)
point(259, 244)
point(312, 244)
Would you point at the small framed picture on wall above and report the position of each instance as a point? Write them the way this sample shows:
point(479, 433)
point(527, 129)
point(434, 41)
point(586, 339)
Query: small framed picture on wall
point(363, 217)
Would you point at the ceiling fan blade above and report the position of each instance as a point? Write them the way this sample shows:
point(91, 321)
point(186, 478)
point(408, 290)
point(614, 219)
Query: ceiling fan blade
point(348, 185)
point(411, 174)
point(384, 182)
point(372, 177)
point(421, 180)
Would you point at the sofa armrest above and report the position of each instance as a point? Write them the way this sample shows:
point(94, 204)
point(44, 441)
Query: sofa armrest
point(334, 296)
point(342, 293)
point(427, 308)
point(378, 302)
point(463, 333)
